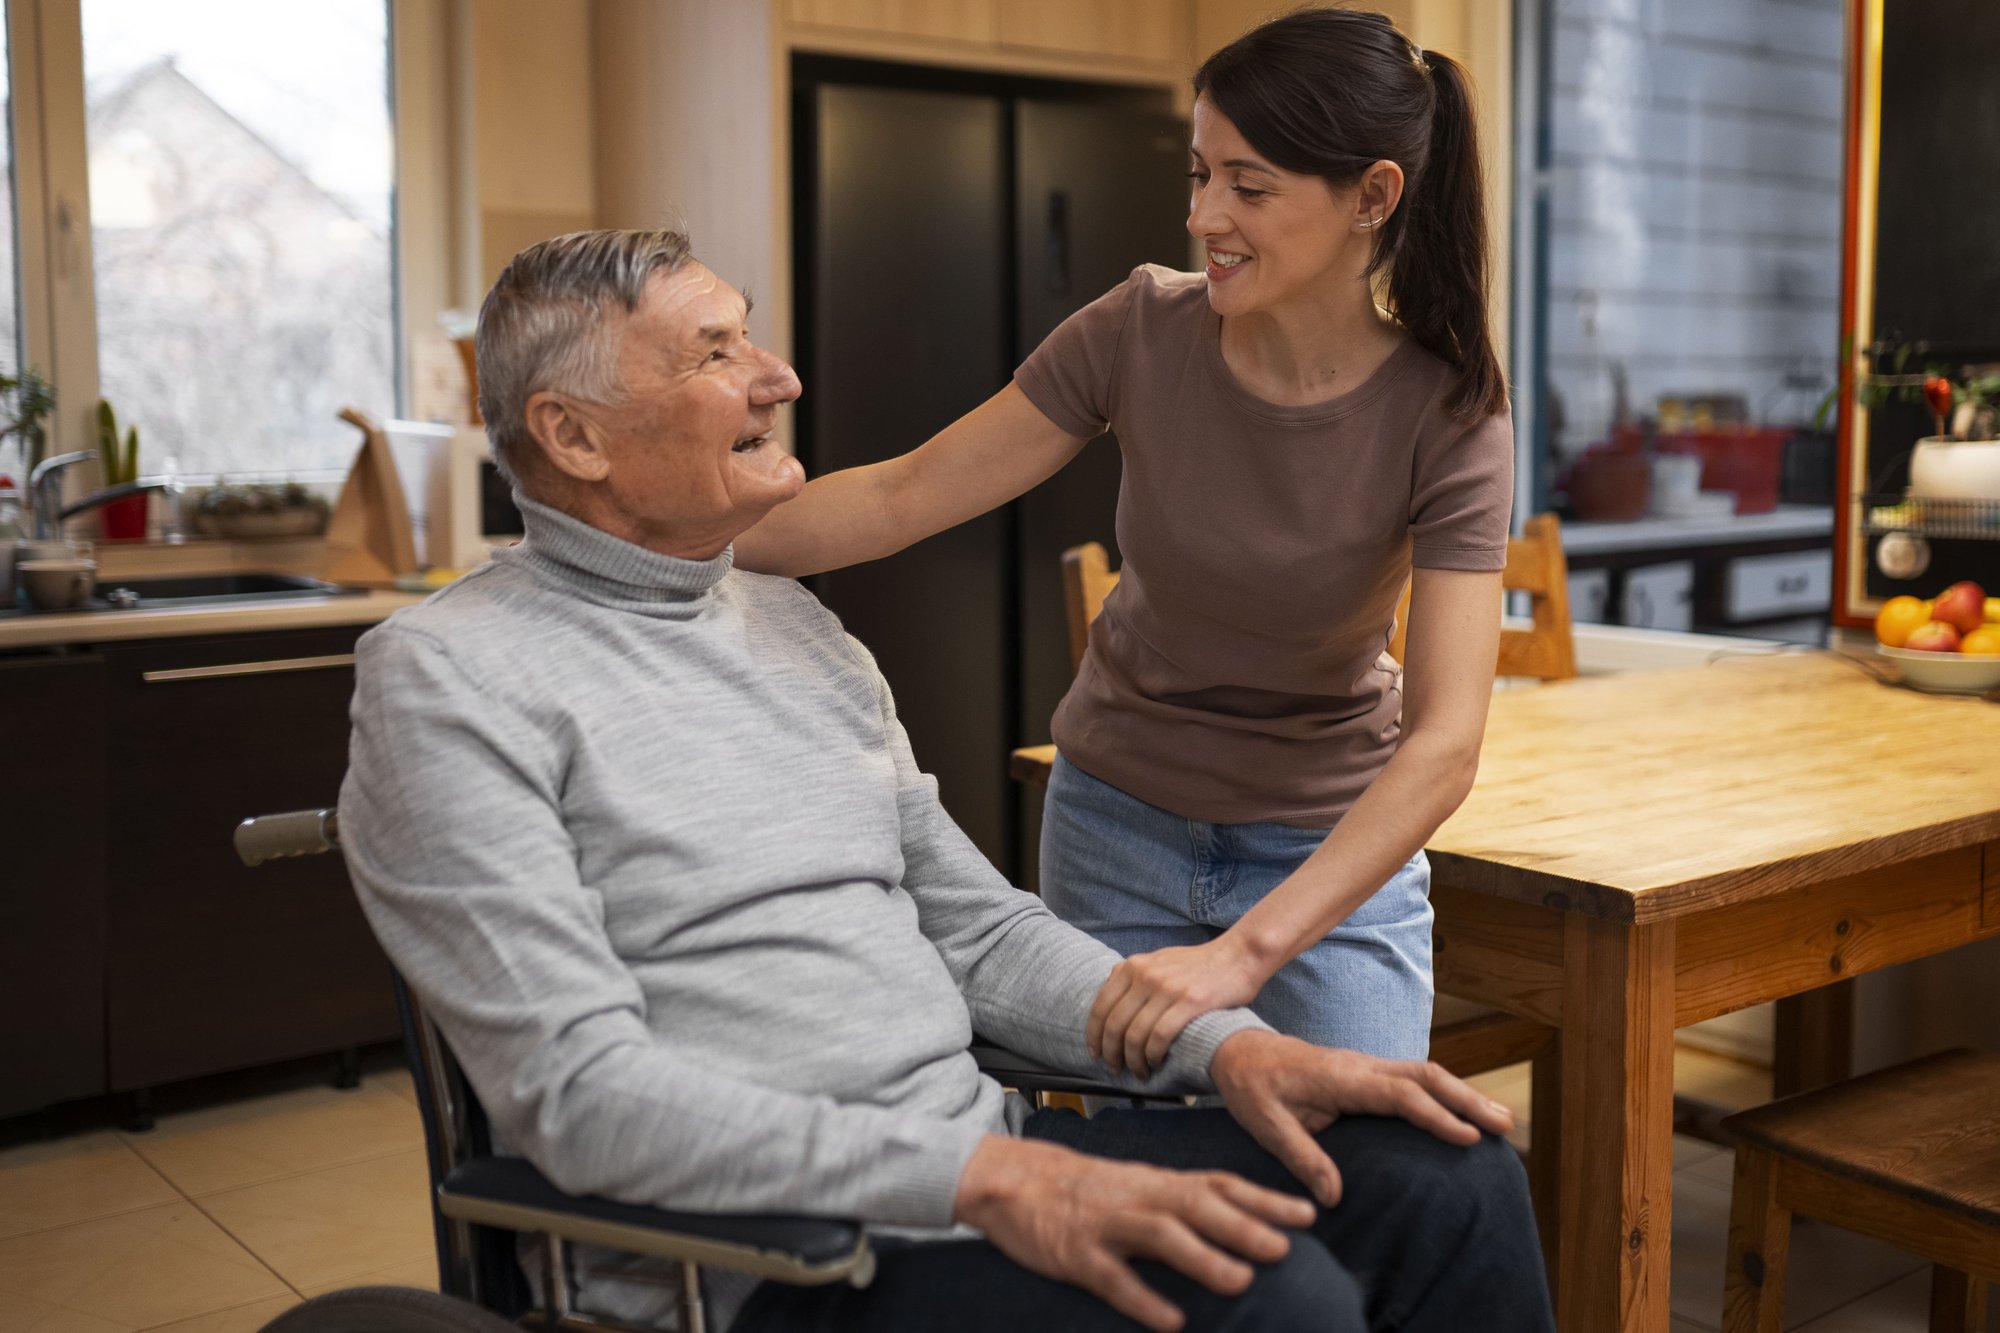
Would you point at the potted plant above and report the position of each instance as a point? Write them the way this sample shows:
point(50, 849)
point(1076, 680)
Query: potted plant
point(29, 400)
point(1961, 461)
point(265, 510)
point(124, 518)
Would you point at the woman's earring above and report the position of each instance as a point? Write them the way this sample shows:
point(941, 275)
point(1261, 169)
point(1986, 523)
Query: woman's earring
point(1372, 222)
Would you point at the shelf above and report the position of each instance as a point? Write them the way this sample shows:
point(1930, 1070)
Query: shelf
point(1966, 520)
point(1786, 522)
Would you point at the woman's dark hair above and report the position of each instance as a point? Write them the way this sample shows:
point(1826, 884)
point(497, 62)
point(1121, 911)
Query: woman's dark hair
point(1330, 92)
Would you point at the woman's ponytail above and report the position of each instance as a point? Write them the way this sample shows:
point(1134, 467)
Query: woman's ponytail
point(1329, 92)
point(1437, 272)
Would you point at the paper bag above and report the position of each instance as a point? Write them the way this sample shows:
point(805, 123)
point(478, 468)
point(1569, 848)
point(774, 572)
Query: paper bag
point(368, 540)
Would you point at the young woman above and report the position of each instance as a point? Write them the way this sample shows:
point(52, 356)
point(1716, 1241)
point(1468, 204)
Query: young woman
point(1247, 779)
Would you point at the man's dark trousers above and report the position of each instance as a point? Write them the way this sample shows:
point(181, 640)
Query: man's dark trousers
point(1427, 1238)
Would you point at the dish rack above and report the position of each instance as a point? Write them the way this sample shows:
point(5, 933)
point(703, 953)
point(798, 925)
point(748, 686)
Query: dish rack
point(1974, 520)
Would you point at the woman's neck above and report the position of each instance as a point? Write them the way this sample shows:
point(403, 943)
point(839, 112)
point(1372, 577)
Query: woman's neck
point(1298, 356)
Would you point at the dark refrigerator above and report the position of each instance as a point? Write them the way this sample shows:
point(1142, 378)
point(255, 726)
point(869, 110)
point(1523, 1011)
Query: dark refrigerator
point(944, 225)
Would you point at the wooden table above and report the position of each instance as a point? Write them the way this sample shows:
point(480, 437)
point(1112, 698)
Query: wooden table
point(1649, 850)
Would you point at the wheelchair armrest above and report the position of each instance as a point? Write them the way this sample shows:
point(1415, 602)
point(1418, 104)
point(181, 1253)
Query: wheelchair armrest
point(510, 1193)
point(1012, 1070)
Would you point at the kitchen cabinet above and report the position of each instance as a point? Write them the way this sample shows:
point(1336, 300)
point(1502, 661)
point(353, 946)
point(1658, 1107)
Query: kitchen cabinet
point(52, 902)
point(210, 965)
point(1122, 29)
point(958, 20)
point(1659, 596)
point(1145, 34)
point(1790, 583)
point(1761, 575)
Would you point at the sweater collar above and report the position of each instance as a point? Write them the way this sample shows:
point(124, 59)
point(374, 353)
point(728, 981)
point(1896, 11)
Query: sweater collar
point(609, 569)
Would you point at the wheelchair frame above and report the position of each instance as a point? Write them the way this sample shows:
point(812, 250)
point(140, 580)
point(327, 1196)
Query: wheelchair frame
point(481, 1202)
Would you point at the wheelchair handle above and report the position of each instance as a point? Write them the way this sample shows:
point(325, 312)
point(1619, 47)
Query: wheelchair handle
point(295, 833)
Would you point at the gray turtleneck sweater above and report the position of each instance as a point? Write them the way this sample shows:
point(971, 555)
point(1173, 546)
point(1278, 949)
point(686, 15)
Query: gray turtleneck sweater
point(647, 839)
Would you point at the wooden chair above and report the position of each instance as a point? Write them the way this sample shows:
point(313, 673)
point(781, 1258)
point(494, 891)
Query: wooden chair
point(1910, 1156)
point(1536, 566)
point(1466, 1038)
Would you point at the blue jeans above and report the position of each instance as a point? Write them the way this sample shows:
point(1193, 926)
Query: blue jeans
point(1427, 1238)
point(1140, 878)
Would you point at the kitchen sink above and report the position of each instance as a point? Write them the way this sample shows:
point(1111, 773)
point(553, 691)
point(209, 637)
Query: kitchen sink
point(203, 590)
point(218, 588)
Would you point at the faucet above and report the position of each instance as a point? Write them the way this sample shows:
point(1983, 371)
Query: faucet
point(45, 492)
point(106, 496)
point(45, 487)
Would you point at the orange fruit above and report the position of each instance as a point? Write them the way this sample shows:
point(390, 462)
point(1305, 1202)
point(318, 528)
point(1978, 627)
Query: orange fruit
point(1898, 618)
point(1984, 640)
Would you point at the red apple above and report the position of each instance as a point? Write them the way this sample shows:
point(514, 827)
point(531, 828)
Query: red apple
point(1961, 606)
point(1935, 637)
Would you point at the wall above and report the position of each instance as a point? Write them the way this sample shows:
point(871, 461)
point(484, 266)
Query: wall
point(433, 198)
point(1933, 1005)
point(702, 149)
point(493, 140)
point(532, 134)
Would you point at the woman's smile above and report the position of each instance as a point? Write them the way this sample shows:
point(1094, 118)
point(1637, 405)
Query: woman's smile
point(1225, 264)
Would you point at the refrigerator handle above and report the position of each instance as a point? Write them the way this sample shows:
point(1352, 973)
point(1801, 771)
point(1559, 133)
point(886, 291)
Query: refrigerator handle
point(1055, 244)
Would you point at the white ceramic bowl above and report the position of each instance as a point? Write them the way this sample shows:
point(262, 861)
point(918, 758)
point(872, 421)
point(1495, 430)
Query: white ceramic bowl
point(1945, 673)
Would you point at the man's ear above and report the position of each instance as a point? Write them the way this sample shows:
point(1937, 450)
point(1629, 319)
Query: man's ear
point(566, 439)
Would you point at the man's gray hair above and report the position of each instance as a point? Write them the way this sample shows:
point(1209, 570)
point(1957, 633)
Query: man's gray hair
point(545, 325)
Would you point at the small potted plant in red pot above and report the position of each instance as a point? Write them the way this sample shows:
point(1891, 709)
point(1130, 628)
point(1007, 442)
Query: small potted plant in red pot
point(124, 519)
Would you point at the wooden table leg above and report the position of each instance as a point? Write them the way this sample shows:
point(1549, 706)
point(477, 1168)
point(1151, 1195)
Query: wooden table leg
point(1545, 1158)
point(1958, 1301)
point(1814, 1039)
point(1617, 1126)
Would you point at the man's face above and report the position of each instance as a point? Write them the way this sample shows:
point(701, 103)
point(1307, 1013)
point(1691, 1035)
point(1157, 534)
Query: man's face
point(690, 459)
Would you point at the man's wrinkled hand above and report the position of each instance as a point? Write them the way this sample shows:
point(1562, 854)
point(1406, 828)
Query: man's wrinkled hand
point(1082, 1220)
point(1284, 1091)
point(1150, 997)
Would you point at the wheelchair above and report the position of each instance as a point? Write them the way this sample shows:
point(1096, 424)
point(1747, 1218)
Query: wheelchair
point(483, 1204)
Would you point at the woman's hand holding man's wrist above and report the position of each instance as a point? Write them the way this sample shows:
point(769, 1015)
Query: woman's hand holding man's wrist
point(1150, 998)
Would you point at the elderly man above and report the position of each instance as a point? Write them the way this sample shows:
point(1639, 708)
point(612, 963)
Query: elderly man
point(646, 837)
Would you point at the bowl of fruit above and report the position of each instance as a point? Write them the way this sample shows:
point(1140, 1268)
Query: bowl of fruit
point(1949, 644)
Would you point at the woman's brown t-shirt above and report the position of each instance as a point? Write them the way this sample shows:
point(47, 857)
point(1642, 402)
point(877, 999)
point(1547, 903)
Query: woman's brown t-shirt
point(1239, 672)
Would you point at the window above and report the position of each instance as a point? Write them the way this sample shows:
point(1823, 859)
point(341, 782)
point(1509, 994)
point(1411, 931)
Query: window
point(1682, 305)
point(10, 314)
point(240, 187)
point(208, 235)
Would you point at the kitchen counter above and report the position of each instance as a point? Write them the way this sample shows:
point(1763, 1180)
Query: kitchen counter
point(47, 628)
point(1783, 523)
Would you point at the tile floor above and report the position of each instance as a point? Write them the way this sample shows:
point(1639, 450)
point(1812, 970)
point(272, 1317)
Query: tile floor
point(256, 1191)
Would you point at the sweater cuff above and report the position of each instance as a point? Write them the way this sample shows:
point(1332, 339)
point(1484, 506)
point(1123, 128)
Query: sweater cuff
point(1192, 1051)
point(922, 1188)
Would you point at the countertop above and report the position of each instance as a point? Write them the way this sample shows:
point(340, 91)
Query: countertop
point(1646, 534)
point(49, 628)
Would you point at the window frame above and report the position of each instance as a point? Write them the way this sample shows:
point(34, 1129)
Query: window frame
point(55, 280)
